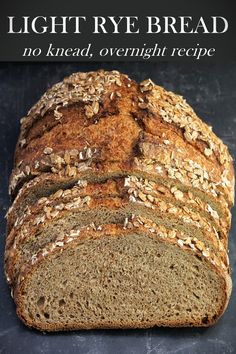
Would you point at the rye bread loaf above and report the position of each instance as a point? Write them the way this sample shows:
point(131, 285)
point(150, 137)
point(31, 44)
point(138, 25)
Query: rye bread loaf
point(103, 163)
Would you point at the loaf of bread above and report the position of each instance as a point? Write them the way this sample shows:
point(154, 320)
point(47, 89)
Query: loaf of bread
point(120, 210)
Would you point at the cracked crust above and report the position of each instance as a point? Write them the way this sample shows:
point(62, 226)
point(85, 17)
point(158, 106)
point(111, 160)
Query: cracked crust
point(126, 119)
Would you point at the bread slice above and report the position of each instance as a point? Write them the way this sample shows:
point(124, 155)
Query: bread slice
point(144, 193)
point(70, 209)
point(116, 277)
point(47, 184)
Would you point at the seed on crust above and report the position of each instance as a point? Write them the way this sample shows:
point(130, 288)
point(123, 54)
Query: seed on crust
point(146, 85)
point(95, 107)
point(27, 170)
point(58, 194)
point(208, 152)
point(142, 196)
point(48, 150)
point(22, 143)
point(178, 195)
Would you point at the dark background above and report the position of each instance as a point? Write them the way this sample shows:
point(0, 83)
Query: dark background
point(211, 90)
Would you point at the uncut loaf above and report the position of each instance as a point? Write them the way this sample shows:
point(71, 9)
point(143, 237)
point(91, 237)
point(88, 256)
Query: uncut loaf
point(120, 210)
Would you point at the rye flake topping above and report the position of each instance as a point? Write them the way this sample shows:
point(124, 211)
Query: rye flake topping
point(22, 143)
point(62, 240)
point(139, 192)
point(48, 150)
point(146, 85)
point(69, 159)
point(183, 240)
point(88, 88)
point(153, 191)
point(174, 109)
point(187, 172)
point(155, 202)
point(18, 175)
point(50, 212)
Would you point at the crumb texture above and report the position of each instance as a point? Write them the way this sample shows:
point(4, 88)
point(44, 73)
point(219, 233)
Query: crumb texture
point(128, 281)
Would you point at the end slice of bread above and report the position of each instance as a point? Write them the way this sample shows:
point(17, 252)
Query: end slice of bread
point(120, 278)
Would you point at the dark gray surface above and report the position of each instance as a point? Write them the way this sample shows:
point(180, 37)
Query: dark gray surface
point(211, 89)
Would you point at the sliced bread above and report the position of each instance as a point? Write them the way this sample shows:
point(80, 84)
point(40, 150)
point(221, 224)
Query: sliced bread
point(121, 209)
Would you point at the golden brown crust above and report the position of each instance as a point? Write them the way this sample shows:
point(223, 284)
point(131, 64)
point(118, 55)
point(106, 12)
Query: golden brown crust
point(118, 136)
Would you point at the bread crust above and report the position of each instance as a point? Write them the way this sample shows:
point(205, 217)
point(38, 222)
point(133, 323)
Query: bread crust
point(130, 121)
